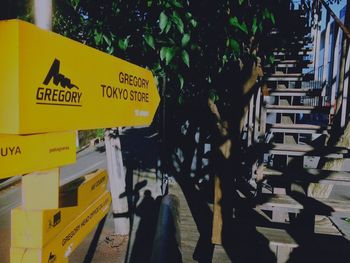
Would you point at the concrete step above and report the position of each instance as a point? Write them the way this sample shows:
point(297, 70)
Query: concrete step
point(292, 48)
point(294, 92)
point(292, 62)
point(306, 150)
point(294, 244)
point(318, 206)
point(297, 128)
point(296, 109)
point(302, 52)
point(307, 175)
point(277, 237)
point(288, 77)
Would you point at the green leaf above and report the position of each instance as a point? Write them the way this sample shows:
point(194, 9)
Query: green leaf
point(240, 2)
point(110, 49)
point(188, 15)
point(171, 41)
point(243, 27)
point(168, 26)
point(123, 43)
point(254, 26)
point(163, 51)
point(193, 23)
point(181, 80)
point(170, 52)
point(260, 26)
point(107, 40)
point(185, 39)
point(156, 67)
point(181, 99)
point(150, 41)
point(224, 59)
point(235, 23)
point(149, 3)
point(235, 47)
point(163, 21)
point(177, 4)
point(272, 17)
point(271, 59)
point(75, 3)
point(213, 95)
point(266, 14)
point(178, 22)
point(185, 57)
point(97, 37)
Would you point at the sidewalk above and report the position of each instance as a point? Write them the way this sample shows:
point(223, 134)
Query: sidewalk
point(120, 249)
point(110, 248)
point(138, 249)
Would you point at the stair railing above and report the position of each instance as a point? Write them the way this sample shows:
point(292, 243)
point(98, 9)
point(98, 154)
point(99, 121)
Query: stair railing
point(331, 63)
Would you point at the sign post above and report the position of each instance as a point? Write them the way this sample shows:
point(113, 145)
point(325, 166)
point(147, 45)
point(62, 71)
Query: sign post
point(117, 182)
point(50, 85)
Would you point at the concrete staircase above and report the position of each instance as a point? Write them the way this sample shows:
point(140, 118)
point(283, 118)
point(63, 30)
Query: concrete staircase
point(294, 124)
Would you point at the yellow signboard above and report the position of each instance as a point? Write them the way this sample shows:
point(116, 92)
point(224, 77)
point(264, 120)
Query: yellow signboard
point(51, 83)
point(35, 228)
point(84, 190)
point(28, 153)
point(68, 239)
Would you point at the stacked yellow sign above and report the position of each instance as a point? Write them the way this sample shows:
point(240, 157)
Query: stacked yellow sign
point(49, 85)
point(50, 235)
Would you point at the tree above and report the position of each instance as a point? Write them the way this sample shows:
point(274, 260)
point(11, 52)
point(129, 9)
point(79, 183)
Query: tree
point(205, 52)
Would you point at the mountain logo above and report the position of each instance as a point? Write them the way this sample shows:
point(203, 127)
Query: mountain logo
point(58, 78)
point(52, 258)
point(58, 89)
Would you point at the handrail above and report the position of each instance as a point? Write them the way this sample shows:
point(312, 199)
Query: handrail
point(336, 19)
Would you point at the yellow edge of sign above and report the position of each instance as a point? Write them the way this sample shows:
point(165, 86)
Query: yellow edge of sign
point(20, 154)
point(35, 228)
point(59, 249)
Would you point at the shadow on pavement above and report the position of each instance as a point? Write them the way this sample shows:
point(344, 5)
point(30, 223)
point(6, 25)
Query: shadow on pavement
point(147, 210)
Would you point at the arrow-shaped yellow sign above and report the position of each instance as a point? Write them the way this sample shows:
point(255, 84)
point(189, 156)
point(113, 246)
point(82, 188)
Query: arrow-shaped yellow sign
point(51, 83)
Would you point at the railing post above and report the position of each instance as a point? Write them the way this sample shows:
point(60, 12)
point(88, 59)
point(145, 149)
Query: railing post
point(250, 125)
point(335, 73)
point(343, 119)
point(316, 36)
point(326, 56)
point(257, 115)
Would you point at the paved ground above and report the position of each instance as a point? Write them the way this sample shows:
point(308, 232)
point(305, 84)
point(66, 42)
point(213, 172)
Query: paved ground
point(140, 163)
point(118, 249)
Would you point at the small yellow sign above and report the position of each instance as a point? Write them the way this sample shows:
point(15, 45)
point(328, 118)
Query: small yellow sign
point(20, 154)
point(68, 239)
point(51, 83)
point(36, 228)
